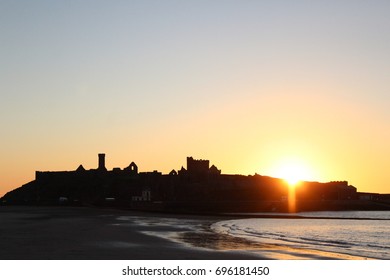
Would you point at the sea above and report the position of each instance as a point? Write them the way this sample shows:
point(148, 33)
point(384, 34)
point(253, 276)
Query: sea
point(358, 233)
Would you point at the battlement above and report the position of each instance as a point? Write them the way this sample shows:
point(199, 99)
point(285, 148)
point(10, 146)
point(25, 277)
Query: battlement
point(337, 184)
point(197, 166)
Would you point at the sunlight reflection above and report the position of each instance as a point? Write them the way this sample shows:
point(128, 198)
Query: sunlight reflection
point(292, 207)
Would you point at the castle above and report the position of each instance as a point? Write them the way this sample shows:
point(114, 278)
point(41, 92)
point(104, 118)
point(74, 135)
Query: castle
point(198, 187)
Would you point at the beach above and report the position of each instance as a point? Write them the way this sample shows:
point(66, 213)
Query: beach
point(85, 233)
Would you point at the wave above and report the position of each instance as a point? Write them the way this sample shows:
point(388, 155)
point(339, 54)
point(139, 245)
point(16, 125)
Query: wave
point(360, 238)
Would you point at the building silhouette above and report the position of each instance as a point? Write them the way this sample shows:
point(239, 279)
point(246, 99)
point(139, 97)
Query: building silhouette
point(198, 187)
point(102, 162)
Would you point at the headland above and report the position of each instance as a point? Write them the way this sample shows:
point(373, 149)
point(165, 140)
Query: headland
point(198, 188)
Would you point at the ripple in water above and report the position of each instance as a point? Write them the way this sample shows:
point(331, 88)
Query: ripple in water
point(365, 238)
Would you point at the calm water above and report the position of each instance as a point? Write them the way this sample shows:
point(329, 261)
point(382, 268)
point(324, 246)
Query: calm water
point(367, 238)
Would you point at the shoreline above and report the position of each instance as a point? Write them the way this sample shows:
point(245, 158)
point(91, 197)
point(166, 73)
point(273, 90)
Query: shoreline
point(84, 233)
point(208, 239)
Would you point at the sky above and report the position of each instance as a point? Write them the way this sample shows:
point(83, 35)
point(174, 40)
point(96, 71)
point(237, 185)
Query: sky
point(253, 86)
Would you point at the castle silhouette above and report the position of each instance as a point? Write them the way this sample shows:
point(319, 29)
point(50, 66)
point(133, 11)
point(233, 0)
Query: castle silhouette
point(197, 188)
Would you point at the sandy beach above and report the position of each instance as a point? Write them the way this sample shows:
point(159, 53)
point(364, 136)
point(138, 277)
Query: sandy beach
point(63, 233)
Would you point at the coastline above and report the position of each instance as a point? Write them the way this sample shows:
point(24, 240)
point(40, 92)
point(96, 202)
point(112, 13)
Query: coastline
point(82, 233)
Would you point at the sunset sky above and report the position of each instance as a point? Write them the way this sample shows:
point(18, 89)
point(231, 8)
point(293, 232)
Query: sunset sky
point(254, 86)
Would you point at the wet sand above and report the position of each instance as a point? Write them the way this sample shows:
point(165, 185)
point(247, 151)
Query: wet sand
point(62, 233)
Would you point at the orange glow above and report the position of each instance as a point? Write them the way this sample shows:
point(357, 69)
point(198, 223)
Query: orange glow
point(293, 171)
point(292, 207)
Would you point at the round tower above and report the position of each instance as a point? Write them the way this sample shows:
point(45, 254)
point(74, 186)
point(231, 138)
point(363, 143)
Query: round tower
point(102, 162)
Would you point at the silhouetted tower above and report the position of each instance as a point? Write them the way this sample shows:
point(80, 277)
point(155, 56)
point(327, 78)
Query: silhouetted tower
point(197, 170)
point(102, 162)
point(200, 166)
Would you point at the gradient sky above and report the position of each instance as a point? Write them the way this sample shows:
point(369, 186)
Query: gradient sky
point(246, 84)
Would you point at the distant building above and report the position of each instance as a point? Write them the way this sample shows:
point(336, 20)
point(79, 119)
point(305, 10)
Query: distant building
point(198, 187)
point(199, 169)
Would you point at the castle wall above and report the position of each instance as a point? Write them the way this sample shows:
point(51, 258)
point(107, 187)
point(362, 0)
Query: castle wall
point(197, 166)
point(199, 183)
point(50, 175)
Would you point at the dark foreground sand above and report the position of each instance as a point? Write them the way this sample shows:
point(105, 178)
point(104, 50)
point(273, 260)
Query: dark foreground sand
point(63, 233)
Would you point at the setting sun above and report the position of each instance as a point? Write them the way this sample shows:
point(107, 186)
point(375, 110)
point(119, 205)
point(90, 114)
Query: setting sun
point(293, 171)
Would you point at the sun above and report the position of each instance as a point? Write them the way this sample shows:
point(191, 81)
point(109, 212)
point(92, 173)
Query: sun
point(293, 171)
point(291, 174)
